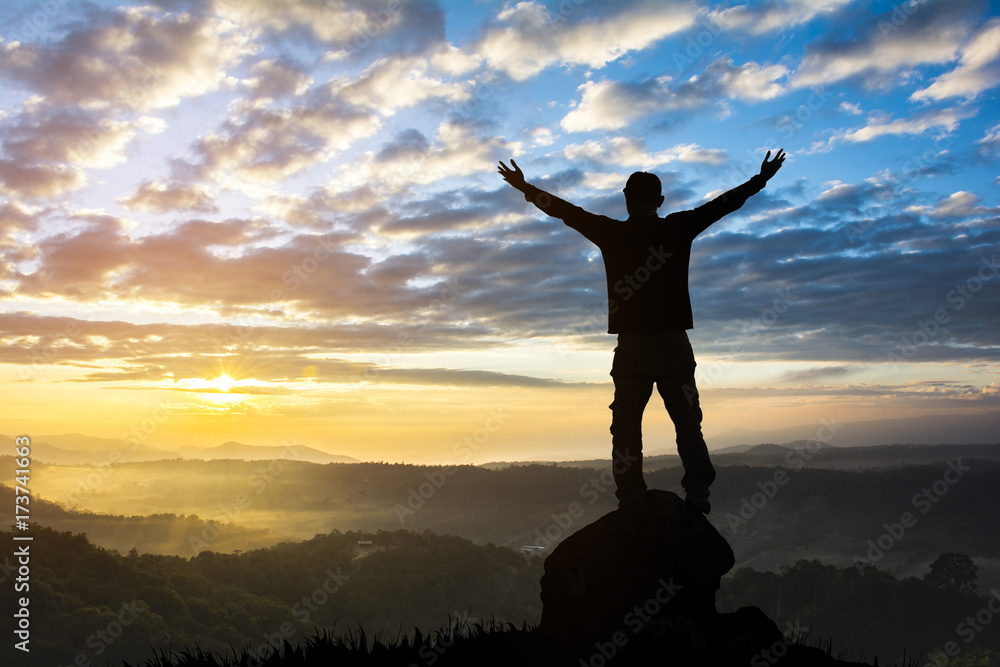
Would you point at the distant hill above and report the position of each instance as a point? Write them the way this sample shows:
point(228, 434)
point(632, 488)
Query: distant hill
point(77, 449)
point(765, 450)
point(159, 533)
point(817, 454)
point(920, 430)
point(81, 442)
point(777, 505)
point(236, 450)
point(49, 453)
point(735, 449)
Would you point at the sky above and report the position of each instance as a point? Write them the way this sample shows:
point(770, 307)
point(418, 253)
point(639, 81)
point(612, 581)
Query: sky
point(281, 222)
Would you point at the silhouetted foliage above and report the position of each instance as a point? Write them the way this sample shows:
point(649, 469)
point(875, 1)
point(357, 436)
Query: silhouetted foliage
point(90, 602)
point(818, 512)
point(863, 609)
point(226, 601)
point(106, 607)
point(953, 572)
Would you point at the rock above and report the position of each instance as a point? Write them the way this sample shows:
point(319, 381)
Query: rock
point(656, 558)
point(637, 587)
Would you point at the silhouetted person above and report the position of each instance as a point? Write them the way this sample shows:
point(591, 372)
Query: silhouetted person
point(646, 261)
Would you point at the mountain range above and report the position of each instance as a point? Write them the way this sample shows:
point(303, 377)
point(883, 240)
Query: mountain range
point(916, 430)
point(78, 449)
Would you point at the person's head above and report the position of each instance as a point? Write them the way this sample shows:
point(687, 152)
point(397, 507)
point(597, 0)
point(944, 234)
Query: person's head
point(643, 193)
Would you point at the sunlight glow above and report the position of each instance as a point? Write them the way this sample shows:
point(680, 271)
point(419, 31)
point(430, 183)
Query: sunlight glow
point(224, 382)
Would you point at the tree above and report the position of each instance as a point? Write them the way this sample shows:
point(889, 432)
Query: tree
point(953, 572)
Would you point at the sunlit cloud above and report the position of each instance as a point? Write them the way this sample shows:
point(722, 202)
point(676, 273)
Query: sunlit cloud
point(879, 125)
point(888, 48)
point(279, 208)
point(529, 37)
point(978, 68)
point(612, 105)
point(624, 152)
point(129, 60)
point(155, 196)
point(760, 18)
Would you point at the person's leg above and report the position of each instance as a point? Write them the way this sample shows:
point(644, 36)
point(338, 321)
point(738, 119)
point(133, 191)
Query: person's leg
point(633, 387)
point(681, 400)
point(675, 384)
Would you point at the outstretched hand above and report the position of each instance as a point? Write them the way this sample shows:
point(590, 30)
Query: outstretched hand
point(513, 176)
point(770, 168)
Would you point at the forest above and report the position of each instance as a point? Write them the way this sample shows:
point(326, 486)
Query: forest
point(772, 515)
point(92, 606)
point(233, 555)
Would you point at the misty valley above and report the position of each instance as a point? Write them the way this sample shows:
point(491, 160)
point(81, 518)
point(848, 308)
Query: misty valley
point(226, 552)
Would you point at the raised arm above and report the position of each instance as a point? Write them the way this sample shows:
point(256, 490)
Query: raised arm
point(547, 203)
point(702, 217)
point(769, 169)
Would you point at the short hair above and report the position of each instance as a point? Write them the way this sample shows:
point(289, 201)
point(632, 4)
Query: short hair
point(643, 185)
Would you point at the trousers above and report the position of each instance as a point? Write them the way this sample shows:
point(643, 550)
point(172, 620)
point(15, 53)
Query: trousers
point(666, 360)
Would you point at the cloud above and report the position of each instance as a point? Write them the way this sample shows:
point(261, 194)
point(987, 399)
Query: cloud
point(978, 68)
point(528, 38)
point(157, 355)
point(390, 84)
point(47, 148)
point(458, 378)
point(764, 17)
point(611, 105)
point(914, 395)
point(44, 134)
point(843, 287)
point(368, 216)
point(816, 374)
point(957, 205)
point(344, 29)
point(156, 60)
point(273, 78)
point(261, 145)
point(412, 160)
point(542, 136)
point(16, 217)
point(749, 81)
point(626, 152)
point(161, 197)
point(265, 144)
point(454, 287)
point(40, 181)
point(91, 83)
point(859, 198)
point(327, 208)
point(931, 35)
point(990, 142)
point(849, 108)
point(452, 60)
point(78, 265)
point(881, 125)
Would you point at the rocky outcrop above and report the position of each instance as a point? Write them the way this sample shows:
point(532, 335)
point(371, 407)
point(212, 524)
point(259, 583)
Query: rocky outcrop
point(656, 558)
point(638, 586)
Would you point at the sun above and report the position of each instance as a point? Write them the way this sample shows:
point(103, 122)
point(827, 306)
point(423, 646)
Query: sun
point(223, 383)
